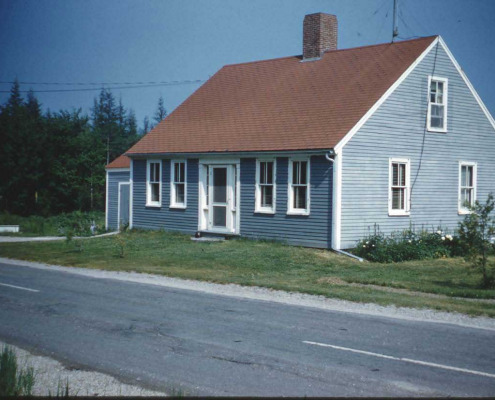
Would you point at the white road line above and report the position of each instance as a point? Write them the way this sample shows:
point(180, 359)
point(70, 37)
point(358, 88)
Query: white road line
point(19, 287)
point(408, 360)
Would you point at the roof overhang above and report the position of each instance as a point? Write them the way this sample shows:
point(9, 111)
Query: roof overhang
point(231, 154)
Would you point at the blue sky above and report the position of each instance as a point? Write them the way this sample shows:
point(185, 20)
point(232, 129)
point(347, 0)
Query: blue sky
point(168, 40)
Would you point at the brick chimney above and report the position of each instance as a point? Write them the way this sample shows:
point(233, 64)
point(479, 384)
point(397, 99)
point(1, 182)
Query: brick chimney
point(319, 34)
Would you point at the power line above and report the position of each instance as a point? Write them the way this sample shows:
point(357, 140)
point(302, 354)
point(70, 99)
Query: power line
point(173, 83)
point(103, 83)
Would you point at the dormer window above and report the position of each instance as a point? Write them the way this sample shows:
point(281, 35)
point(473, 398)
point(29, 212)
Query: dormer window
point(437, 104)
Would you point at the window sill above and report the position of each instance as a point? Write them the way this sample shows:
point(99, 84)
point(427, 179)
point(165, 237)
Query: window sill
point(179, 206)
point(464, 212)
point(435, 130)
point(156, 205)
point(262, 211)
point(399, 214)
point(297, 212)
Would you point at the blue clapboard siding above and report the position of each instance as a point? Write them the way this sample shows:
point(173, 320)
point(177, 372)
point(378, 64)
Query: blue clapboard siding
point(313, 230)
point(164, 217)
point(113, 196)
point(397, 129)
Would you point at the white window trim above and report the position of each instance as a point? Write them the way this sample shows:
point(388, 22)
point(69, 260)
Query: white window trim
point(407, 211)
point(462, 210)
point(258, 208)
point(150, 203)
point(290, 197)
point(446, 103)
point(173, 204)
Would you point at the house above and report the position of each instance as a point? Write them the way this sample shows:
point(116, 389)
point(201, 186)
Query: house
point(316, 149)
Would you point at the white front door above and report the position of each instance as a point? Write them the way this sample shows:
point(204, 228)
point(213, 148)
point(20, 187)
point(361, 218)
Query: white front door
point(219, 198)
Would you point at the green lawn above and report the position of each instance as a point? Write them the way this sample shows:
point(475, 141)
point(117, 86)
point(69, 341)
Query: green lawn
point(273, 265)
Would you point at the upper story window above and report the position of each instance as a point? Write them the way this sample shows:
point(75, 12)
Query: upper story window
point(178, 192)
point(437, 104)
point(299, 187)
point(399, 186)
point(467, 186)
point(154, 183)
point(265, 186)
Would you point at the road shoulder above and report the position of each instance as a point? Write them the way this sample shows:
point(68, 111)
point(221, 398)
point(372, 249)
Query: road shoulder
point(278, 296)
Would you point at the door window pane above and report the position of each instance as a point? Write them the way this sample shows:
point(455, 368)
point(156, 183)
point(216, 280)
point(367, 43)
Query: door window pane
point(220, 216)
point(219, 185)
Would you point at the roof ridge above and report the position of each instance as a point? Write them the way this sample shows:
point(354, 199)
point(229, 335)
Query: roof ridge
point(382, 44)
point(330, 51)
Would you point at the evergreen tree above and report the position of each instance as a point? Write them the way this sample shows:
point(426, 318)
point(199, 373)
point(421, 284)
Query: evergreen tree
point(105, 116)
point(160, 112)
point(146, 125)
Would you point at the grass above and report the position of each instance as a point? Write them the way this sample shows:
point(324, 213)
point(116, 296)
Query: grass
point(36, 225)
point(14, 381)
point(444, 284)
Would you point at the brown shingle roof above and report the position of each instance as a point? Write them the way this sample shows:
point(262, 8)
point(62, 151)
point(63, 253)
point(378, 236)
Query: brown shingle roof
point(120, 162)
point(283, 104)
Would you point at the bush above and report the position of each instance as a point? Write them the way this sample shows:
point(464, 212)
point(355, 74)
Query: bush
point(12, 381)
point(79, 223)
point(476, 234)
point(407, 245)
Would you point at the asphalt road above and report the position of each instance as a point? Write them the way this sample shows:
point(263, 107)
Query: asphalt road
point(204, 344)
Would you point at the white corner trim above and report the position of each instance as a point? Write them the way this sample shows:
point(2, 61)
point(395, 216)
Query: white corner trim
point(337, 200)
point(106, 202)
point(384, 97)
point(131, 193)
point(468, 83)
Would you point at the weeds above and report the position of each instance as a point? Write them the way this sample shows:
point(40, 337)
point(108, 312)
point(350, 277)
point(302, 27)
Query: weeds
point(14, 382)
point(80, 223)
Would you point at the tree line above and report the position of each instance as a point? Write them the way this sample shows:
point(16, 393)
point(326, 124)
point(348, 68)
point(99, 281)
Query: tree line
point(53, 162)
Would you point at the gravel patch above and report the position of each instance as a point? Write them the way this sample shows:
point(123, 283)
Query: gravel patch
point(278, 296)
point(50, 376)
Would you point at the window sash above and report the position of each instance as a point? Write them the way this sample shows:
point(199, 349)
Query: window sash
point(178, 193)
point(437, 104)
point(399, 187)
point(467, 186)
point(265, 186)
point(299, 186)
point(154, 183)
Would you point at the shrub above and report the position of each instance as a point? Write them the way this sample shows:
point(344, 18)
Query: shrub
point(406, 245)
point(475, 234)
point(12, 381)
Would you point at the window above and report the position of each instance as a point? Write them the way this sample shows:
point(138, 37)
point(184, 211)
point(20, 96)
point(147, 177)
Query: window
point(299, 187)
point(467, 186)
point(265, 186)
point(178, 193)
point(437, 104)
point(398, 194)
point(154, 183)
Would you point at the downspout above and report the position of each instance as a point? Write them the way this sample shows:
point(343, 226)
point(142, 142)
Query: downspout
point(328, 154)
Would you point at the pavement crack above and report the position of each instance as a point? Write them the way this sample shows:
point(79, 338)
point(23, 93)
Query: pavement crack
point(233, 360)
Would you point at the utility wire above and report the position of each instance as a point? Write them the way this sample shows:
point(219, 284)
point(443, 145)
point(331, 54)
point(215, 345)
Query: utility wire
point(103, 83)
point(109, 87)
